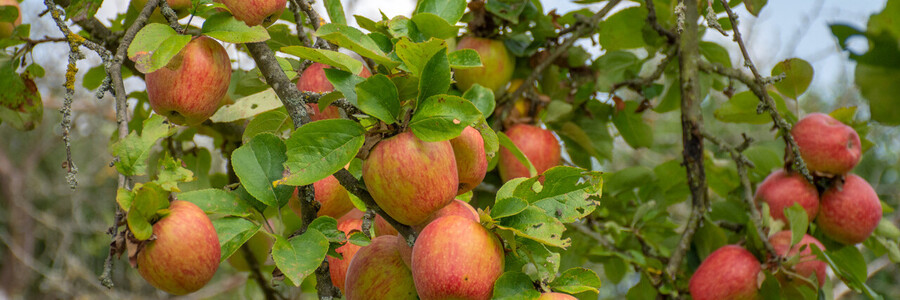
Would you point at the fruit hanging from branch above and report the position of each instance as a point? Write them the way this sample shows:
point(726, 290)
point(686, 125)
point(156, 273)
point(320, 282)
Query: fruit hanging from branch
point(256, 12)
point(378, 271)
point(331, 195)
point(471, 161)
point(313, 80)
point(849, 212)
point(730, 272)
point(781, 190)
point(827, 145)
point(807, 265)
point(498, 65)
point(538, 144)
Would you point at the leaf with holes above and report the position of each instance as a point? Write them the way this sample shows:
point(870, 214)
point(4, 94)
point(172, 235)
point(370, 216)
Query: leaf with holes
point(247, 107)
point(443, 117)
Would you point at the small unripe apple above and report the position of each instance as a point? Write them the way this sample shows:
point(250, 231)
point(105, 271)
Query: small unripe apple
point(497, 65)
point(409, 178)
point(454, 208)
point(849, 213)
point(331, 195)
point(185, 254)
point(556, 296)
point(378, 271)
point(471, 161)
point(313, 80)
point(256, 12)
point(259, 245)
point(731, 272)
point(456, 258)
point(190, 88)
point(7, 28)
point(338, 267)
point(827, 145)
point(781, 190)
point(808, 264)
point(538, 144)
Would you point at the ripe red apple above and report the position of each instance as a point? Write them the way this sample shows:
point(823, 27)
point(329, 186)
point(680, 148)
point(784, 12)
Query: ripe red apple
point(409, 178)
point(338, 267)
point(808, 264)
point(185, 254)
point(378, 272)
point(382, 227)
point(556, 296)
point(471, 161)
point(456, 258)
point(333, 197)
point(313, 80)
point(7, 28)
point(454, 208)
point(827, 145)
point(538, 144)
point(259, 245)
point(190, 88)
point(256, 12)
point(850, 212)
point(781, 190)
point(497, 65)
point(731, 272)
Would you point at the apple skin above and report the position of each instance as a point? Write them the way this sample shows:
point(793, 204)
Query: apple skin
point(538, 144)
point(808, 264)
point(382, 227)
point(556, 296)
point(338, 267)
point(190, 89)
point(456, 258)
point(332, 196)
point(498, 65)
point(185, 254)
point(7, 28)
point(256, 12)
point(378, 271)
point(313, 80)
point(471, 161)
point(827, 145)
point(781, 190)
point(454, 208)
point(260, 245)
point(410, 179)
point(849, 214)
point(731, 272)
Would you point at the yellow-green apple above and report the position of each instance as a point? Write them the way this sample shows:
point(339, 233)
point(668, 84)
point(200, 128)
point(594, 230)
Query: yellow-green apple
point(730, 272)
point(497, 65)
point(827, 145)
point(256, 12)
point(7, 28)
point(456, 258)
point(781, 190)
point(378, 271)
point(807, 265)
point(850, 212)
point(338, 267)
point(538, 144)
point(556, 296)
point(471, 161)
point(409, 178)
point(181, 7)
point(454, 208)
point(185, 254)
point(382, 227)
point(190, 88)
point(313, 80)
point(259, 246)
point(332, 196)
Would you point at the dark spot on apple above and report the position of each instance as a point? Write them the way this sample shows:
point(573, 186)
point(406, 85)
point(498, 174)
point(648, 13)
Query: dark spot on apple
point(466, 278)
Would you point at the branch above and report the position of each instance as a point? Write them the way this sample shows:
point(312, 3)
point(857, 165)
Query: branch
point(314, 21)
point(670, 36)
point(298, 18)
point(637, 84)
point(268, 291)
point(354, 187)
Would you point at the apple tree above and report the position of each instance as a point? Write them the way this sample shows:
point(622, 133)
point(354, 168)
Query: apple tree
point(473, 149)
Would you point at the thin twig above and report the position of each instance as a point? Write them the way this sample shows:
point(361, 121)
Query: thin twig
point(298, 18)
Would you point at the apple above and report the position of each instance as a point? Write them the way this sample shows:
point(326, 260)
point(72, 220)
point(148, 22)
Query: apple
point(338, 267)
point(256, 12)
point(556, 296)
point(382, 227)
point(497, 65)
point(190, 88)
point(259, 245)
point(539, 145)
point(454, 208)
point(7, 28)
point(827, 145)
point(409, 178)
point(471, 161)
point(181, 7)
point(378, 271)
point(781, 190)
point(808, 264)
point(849, 213)
point(456, 258)
point(313, 80)
point(731, 272)
point(185, 254)
point(333, 197)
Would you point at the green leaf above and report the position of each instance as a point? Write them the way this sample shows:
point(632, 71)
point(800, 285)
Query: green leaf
point(631, 125)
point(535, 224)
point(148, 199)
point(275, 122)
point(880, 85)
point(416, 55)
point(443, 117)
point(799, 75)
point(344, 82)
point(535, 260)
point(435, 76)
point(233, 232)
point(514, 285)
point(170, 173)
point(755, 6)
point(482, 97)
point(715, 53)
point(507, 9)
point(257, 164)
point(432, 25)
point(336, 12)
point(332, 58)
point(217, 201)
point(82, 9)
point(356, 41)
point(378, 97)
point(623, 30)
point(134, 150)
point(9, 13)
point(450, 10)
point(299, 256)
point(506, 207)
point(568, 193)
point(224, 27)
point(20, 100)
point(464, 59)
point(741, 108)
point(491, 141)
point(644, 290)
point(577, 280)
point(124, 198)
point(328, 227)
point(512, 148)
point(359, 239)
point(319, 149)
point(154, 46)
point(798, 220)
